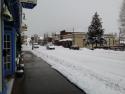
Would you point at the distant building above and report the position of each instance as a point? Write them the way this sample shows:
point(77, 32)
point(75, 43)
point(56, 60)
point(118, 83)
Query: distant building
point(111, 39)
point(122, 35)
point(63, 32)
point(10, 29)
point(73, 38)
point(56, 38)
point(24, 39)
point(36, 37)
point(40, 41)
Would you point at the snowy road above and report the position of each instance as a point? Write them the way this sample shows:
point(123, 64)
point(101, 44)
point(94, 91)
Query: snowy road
point(94, 71)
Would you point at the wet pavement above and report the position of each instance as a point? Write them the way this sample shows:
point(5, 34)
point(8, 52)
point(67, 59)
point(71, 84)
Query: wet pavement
point(40, 78)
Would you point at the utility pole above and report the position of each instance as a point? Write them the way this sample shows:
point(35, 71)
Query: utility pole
point(73, 37)
point(119, 35)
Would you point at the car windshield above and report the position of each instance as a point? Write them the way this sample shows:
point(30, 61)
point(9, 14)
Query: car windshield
point(35, 44)
point(50, 45)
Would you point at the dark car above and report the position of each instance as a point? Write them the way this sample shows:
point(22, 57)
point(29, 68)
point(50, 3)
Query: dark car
point(74, 47)
point(35, 45)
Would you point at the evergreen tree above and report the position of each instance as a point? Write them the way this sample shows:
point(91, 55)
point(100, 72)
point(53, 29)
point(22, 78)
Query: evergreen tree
point(95, 30)
point(122, 15)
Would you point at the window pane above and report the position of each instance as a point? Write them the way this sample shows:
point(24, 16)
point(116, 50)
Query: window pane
point(4, 37)
point(5, 59)
point(8, 44)
point(8, 37)
point(5, 45)
point(8, 59)
point(8, 66)
point(8, 51)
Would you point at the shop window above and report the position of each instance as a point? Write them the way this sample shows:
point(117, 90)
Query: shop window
point(7, 52)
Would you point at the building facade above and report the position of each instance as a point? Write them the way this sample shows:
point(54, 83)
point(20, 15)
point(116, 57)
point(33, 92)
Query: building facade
point(122, 35)
point(10, 26)
point(73, 38)
point(111, 40)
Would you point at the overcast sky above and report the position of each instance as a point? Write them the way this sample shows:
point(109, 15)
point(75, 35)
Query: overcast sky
point(56, 15)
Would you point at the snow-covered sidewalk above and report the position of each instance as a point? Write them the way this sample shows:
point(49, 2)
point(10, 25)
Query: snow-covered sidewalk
point(94, 71)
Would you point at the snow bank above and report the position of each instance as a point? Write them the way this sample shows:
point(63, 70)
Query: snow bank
point(95, 71)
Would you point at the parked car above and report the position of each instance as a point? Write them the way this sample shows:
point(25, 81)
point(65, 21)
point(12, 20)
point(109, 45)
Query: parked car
point(35, 45)
point(74, 47)
point(50, 46)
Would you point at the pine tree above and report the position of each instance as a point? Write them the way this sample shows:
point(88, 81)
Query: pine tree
point(95, 30)
point(122, 15)
point(122, 22)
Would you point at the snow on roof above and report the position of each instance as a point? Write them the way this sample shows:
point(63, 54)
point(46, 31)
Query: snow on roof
point(68, 39)
point(41, 37)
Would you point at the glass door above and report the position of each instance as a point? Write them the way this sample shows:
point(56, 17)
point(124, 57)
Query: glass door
point(7, 54)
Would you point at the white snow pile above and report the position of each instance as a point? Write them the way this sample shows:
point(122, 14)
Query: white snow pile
point(94, 71)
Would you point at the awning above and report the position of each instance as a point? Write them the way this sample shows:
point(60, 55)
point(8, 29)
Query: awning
point(15, 9)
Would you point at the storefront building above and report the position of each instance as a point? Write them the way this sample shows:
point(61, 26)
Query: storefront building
point(10, 27)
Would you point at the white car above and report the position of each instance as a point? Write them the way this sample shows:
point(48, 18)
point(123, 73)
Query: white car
point(35, 45)
point(50, 46)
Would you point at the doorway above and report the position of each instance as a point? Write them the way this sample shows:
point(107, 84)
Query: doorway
point(7, 54)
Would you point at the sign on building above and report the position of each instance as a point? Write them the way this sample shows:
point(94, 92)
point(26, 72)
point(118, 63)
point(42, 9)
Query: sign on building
point(28, 3)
